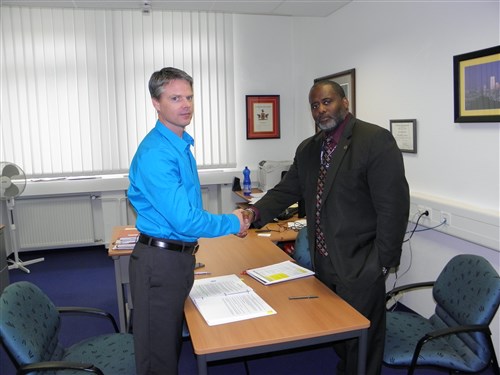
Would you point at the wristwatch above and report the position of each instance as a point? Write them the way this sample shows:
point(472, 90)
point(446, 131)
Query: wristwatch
point(385, 270)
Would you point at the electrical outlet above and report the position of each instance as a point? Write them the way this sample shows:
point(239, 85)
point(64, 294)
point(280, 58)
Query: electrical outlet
point(422, 209)
point(445, 218)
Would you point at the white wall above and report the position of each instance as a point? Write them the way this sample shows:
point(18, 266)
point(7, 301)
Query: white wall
point(263, 50)
point(403, 56)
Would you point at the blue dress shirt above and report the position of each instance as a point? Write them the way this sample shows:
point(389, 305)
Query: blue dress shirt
point(165, 190)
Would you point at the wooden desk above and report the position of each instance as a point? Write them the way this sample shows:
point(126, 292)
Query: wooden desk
point(121, 260)
point(247, 198)
point(298, 323)
point(279, 231)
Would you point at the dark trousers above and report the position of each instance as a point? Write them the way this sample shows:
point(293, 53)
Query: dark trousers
point(160, 282)
point(369, 301)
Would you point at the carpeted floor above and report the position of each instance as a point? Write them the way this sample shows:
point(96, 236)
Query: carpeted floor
point(85, 277)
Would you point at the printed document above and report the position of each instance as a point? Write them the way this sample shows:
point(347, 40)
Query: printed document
point(225, 299)
point(279, 272)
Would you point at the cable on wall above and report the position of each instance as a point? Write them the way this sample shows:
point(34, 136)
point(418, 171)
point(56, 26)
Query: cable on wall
point(412, 232)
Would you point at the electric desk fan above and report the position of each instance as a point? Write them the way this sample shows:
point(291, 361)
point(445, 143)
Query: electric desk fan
point(12, 185)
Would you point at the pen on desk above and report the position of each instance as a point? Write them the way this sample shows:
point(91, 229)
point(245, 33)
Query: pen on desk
point(303, 297)
point(203, 273)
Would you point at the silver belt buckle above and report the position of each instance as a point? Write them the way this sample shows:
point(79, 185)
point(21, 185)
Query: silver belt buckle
point(195, 249)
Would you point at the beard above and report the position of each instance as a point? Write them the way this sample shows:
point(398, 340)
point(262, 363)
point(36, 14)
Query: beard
point(332, 122)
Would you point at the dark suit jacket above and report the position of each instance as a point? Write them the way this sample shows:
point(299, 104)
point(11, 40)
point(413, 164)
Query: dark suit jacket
point(365, 203)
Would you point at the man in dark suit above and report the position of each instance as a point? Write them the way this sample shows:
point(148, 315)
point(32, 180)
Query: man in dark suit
point(351, 177)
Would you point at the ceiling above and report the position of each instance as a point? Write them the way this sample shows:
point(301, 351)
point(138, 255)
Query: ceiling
point(295, 8)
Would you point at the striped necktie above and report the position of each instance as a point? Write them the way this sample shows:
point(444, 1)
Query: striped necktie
point(328, 148)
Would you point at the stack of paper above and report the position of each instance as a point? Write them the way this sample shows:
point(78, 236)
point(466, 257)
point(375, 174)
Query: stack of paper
point(279, 272)
point(126, 240)
point(226, 299)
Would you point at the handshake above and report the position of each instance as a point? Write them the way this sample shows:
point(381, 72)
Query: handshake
point(246, 218)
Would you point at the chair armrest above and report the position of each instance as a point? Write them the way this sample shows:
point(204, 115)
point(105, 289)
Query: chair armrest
point(404, 288)
point(454, 330)
point(446, 332)
point(59, 365)
point(89, 311)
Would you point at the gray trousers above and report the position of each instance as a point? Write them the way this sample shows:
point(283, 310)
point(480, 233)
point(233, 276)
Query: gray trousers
point(160, 282)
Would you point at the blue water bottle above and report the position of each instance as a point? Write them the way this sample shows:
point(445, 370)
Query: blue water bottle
point(247, 183)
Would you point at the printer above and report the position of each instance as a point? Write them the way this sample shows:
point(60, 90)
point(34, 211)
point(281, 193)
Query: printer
point(271, 172)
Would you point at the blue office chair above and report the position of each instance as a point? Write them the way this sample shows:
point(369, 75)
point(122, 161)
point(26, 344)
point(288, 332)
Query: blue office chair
point(301, 252)
point(29, 328)
point(457, 335)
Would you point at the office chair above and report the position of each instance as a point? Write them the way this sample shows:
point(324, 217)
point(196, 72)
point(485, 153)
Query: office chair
point(457, 335)
point(29, 328)
point(301, 252)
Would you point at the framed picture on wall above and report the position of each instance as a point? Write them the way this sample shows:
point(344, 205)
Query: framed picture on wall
point(476, 77)
point(263, 116)
point(347, 80)
point(405, 134)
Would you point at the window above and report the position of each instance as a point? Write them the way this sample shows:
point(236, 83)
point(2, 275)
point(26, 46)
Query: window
point(74, 86)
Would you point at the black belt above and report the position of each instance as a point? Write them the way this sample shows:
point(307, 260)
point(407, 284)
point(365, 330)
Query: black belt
point(183, 247)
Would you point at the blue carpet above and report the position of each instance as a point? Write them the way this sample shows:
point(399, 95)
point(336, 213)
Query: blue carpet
point(85, 277)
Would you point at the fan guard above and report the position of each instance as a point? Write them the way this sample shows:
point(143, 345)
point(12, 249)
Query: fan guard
point(12, 180)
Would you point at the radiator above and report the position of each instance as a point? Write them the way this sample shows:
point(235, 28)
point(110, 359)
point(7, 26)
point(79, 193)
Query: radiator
point(43, 223)
point(67, 221)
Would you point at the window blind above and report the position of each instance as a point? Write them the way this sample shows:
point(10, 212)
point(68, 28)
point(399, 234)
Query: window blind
point(74, 86)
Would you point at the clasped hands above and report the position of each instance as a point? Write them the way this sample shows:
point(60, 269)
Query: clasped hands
point(246, 218)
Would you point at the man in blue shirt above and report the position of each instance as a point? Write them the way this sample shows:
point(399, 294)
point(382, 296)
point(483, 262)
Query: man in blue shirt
point(165, 192)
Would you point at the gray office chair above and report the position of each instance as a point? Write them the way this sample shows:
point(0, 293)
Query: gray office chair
point(457, 336)
point(29, 328)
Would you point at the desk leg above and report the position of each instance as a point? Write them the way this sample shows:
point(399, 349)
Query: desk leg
point(202, 365)
point(362, 346)
point(122, 316)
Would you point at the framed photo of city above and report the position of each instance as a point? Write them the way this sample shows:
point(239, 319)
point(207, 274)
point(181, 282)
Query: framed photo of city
point(263, 116)
point(476, 78)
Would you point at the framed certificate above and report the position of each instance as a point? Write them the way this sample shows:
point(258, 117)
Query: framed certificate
point(405, 133)
point(263, 116)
